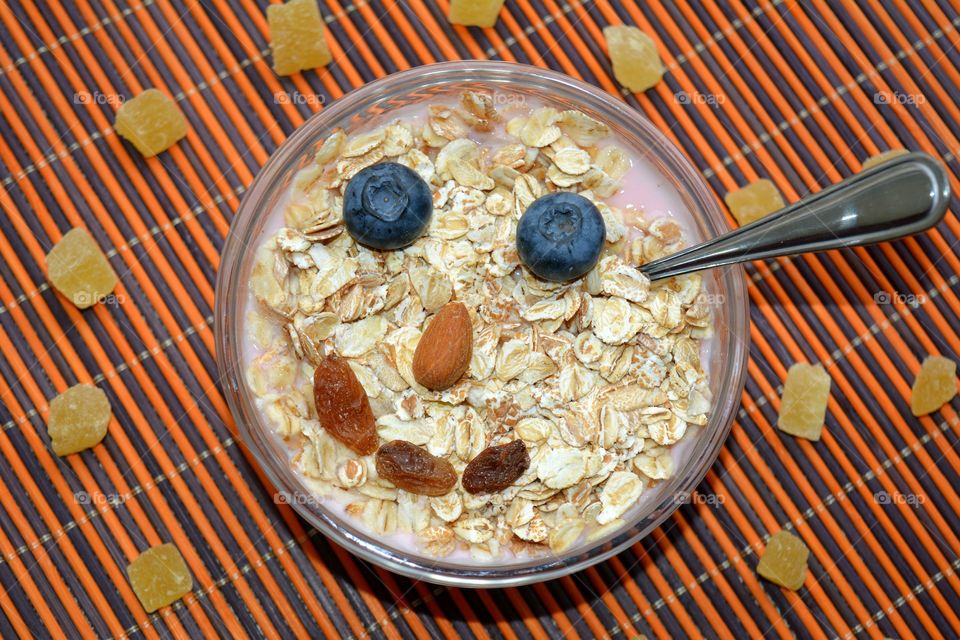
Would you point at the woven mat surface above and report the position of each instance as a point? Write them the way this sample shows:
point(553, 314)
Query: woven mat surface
point(799, 92)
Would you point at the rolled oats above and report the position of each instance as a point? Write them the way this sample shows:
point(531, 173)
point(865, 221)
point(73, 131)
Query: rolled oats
point(540, 129)
point(448, 508)
point(438, 541)
point(620, 491)
point(413, 512)
point(581, 128)
point(599, 377)
point(512, 360)
point(565, 534)
point(614, 320)
point(351, 473)
point(534, 530)
point(562, 467)
point(357, 338)
point(473, 530)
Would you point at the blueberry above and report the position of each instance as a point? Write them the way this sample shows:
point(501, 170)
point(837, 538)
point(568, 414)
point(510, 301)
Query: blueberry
point(387, 206)
point(560, 236)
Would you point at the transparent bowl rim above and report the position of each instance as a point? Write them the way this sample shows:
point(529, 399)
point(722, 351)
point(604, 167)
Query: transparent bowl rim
point(228, 325)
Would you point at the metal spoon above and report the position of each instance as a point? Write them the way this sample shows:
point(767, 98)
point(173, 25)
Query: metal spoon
point(901, 197)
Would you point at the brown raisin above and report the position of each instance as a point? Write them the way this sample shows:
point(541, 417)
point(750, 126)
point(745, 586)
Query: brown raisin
point(414, 469)
point(496, 468)
point(342, 405)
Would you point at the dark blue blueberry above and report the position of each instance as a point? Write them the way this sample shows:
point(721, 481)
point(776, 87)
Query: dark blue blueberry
point(560, 236)
point(387, 206)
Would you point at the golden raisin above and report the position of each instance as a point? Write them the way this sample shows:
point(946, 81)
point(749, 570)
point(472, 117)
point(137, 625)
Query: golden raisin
point(496, 468)
point(342, 405)
point(414, 469)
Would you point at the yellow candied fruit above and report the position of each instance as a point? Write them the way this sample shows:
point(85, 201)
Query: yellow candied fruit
point(784, 560)
point(754, 201)
point(935, 386)
point(152, 122)
point(475, 13)
point(803, 405)
point(79, 270)
point(882, 157)
point(296, 37)
point(159, 576)
point(636, 63)
point(78, 419)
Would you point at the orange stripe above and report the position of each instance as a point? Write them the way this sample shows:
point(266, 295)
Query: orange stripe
point(643, 604)
point(720, 582)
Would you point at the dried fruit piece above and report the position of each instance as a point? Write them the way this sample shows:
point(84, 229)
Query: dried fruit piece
point(152, 122)
point(882, 157)
point(79, 270)
point(636, 63)
point(445, 348)
point(784, 560)
point(496, 468)
point(342, 405)
point(475, 13)
point(78, 419)
point(296, 37)
point(413, 469)
point(159, 576)
point(754, 201)
point(803, 405)
point(936, 385)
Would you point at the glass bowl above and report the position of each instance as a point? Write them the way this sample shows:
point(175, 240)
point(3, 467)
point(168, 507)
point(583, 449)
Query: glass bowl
point(726, 359)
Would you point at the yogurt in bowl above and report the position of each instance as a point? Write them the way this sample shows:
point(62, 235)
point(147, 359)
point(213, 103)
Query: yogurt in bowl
point(618, 391)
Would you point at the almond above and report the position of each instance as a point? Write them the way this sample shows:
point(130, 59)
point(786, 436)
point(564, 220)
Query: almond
point(342, 405)
point(444, 351)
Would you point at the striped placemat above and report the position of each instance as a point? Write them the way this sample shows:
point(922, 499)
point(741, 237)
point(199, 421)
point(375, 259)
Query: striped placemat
point(798, 92)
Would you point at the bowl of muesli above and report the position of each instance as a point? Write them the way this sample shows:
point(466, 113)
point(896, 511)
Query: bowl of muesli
point(434, 338)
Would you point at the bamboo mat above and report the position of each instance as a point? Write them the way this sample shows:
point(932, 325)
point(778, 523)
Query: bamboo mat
point(799, 92)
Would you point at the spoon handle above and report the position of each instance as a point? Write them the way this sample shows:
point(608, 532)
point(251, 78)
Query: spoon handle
point(900, 197)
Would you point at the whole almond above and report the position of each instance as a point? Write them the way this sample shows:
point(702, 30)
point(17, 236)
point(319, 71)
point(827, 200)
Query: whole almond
point(445, 348)
point(342, 405)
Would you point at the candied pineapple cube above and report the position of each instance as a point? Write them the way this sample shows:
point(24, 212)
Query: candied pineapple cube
point(784, 560)
point(78, 269)
point(475, 13)
point(152, 122)
point(754, 201)
point(159, 576)
point(935, 386)
point(296, 37)
point(882, 157)
point(803, 405)
point(78, 419)
point(636, 63)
